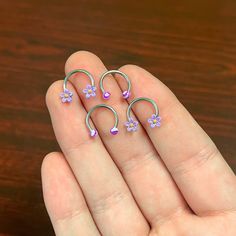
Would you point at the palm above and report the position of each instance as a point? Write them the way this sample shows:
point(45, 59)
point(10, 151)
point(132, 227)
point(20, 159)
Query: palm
point(191, 225)
point(166, 181)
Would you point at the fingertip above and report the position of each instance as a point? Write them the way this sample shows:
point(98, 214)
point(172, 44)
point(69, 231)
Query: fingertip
point(55, 104)
point(59, 185)
point(54, 90)
point(51, 159)
point(135, 71)
point(131, 68)
point(86, 59)
point(146, 84)
point(53, 163)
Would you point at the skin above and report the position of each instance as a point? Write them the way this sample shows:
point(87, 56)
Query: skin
point(170, 180)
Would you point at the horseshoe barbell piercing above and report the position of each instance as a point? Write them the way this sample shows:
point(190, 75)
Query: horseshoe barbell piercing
point(93, 131)
point(66, 95)
point(154, 121)
point(106, 94)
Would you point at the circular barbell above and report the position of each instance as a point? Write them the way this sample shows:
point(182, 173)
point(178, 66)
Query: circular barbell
point(93, 131)
point(89, 91)
point(106, 94)
point(154, 121)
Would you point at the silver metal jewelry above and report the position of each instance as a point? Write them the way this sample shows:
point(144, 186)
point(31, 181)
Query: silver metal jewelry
point(106, 94)
point(66, 95)
point(93, 131)
point(154, 121)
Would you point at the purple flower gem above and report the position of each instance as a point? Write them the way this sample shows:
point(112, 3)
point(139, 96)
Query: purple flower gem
point(90, 91)
point(132, 125)
point(66, 96)
point(155, 121)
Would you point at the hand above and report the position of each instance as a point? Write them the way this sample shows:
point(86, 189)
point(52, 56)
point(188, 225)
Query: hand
point(169, 181)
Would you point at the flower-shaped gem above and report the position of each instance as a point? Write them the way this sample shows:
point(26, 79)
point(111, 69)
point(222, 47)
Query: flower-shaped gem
point(155, 121)
point(90, 91)
point(66, 96)
point(131, 125)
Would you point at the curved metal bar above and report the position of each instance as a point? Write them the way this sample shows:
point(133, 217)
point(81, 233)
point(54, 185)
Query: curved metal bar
point(77, 71)
point(93, 132)
point(106, 94)
point(142, 99)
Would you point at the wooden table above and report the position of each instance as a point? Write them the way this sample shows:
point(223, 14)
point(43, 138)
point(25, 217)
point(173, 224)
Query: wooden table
point(189, 45)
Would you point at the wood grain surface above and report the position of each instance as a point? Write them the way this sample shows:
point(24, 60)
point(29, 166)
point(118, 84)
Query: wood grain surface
point(189, 45)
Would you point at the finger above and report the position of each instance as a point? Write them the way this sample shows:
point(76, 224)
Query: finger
point(191, 157)
point(150, 182)
point(105, 191)
point(64, 200)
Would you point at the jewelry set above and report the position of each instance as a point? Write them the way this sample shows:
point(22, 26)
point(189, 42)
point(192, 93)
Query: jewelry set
point(90, 91)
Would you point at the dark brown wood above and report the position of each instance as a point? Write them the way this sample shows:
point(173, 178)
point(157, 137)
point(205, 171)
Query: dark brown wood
point(190, 45)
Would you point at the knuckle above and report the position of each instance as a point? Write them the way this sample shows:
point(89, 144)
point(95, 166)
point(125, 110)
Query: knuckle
point(108, 201)
point(70, 215)
point(137, 160)
point(196, 160)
